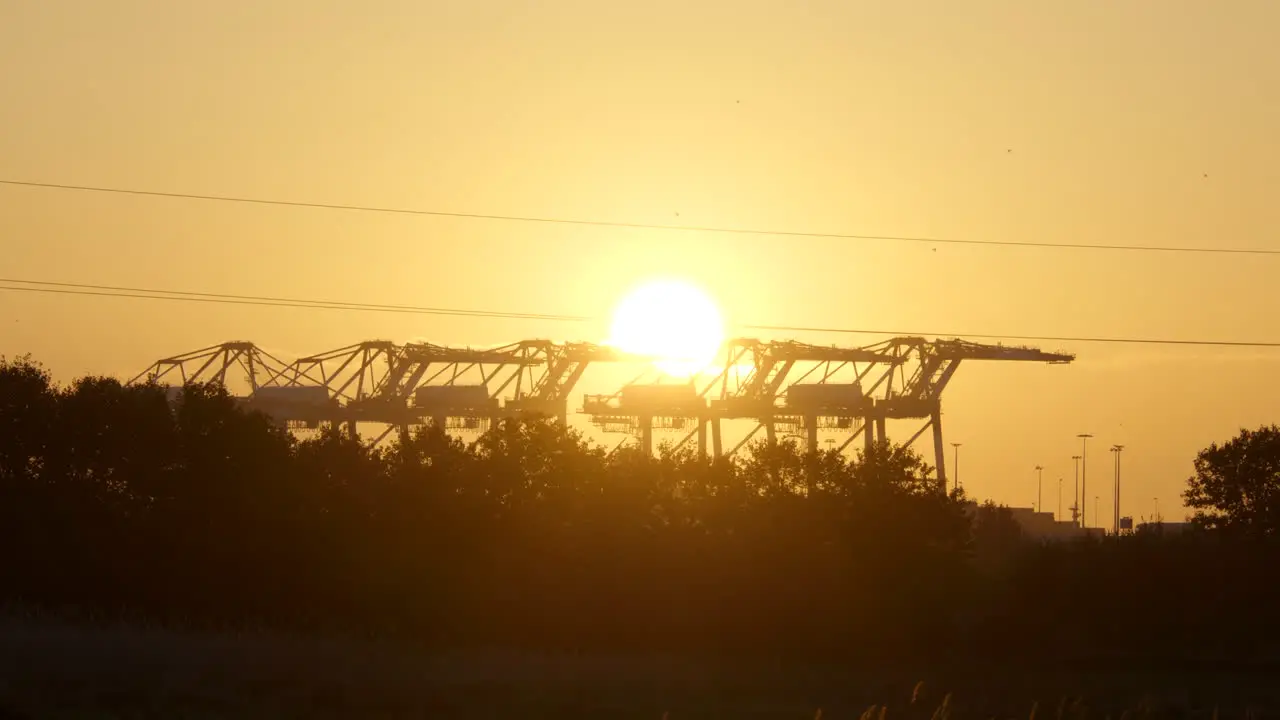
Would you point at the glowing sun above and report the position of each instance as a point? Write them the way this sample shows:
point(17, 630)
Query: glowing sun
point(674, 322)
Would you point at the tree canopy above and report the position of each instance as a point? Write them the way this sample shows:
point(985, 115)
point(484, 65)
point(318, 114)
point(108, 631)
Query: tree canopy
point(130, 499)
point(1236, 485)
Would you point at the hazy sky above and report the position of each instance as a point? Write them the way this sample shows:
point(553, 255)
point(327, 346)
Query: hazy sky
point(831, 115)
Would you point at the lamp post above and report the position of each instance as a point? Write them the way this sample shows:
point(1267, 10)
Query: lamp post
point(1117, 449)
point(1156, 516)
point(955, 465)
point(1084, 476)
point(1075, 502)
point(1059, 516)
point(1039, 489)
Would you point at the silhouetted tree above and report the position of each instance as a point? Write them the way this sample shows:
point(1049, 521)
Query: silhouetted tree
point(27, 411)
point(1236, 485)
point(111, 443)
point(188, 506)
point(996, 534)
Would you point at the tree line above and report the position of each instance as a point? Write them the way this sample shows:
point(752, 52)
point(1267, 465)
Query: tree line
point(120, 499)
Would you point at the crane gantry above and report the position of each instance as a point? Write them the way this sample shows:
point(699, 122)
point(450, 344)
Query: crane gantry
point(771, 387)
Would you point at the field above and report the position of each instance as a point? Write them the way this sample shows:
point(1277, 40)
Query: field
point(62, 669)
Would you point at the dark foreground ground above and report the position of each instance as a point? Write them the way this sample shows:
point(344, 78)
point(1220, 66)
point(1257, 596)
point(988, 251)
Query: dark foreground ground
point(59, 669)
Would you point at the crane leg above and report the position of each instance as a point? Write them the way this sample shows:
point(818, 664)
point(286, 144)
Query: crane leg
point(939, 453)
point(646, 435)
point(702, 438)
point(717, 445)
point(811, 432)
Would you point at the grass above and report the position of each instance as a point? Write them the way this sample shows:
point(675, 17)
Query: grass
point(52, 668)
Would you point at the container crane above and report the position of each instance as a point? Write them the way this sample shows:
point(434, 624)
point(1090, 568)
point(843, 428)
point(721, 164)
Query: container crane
point(935, 363)
point(212, 364)
point(828, 393)
point(781, 384)
point(337, 386)
point(548, 393)
point(456, 388)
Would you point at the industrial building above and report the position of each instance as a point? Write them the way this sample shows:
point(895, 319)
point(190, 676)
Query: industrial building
point(1044, 525)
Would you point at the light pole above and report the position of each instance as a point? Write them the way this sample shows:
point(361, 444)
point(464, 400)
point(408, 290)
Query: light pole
point(1155, 518)
point(955, 465)
point(1084, 476)
point(1059, 517)
point(1095, 504)
point(1039, 489)
point(1116, 449)
point(1075, 503)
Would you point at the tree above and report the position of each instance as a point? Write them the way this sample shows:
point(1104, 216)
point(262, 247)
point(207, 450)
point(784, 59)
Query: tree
point(112, 443)
point(187, 505)
point(896, 468)
point(27, 409)
point(996, 536)
point(1236, 485)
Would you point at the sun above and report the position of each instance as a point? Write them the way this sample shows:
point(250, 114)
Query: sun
point(674, 322)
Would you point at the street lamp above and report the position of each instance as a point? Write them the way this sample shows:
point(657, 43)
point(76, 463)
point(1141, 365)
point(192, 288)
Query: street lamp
point(1155, 518)
point(1059, 517)
point(955, 465)
point(1116, 449)
point(1039, 489)
point(1084, 476)
point(1075, 503)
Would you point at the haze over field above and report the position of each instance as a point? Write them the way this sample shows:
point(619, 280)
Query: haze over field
point(1137, 123)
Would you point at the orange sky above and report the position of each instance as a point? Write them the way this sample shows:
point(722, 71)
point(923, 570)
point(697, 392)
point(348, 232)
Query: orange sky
point(829, 116)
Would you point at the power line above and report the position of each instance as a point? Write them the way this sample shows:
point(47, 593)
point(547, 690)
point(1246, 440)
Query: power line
point(1029, 338)
point(61, 288)
point(298, 302)
point(643, 226)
